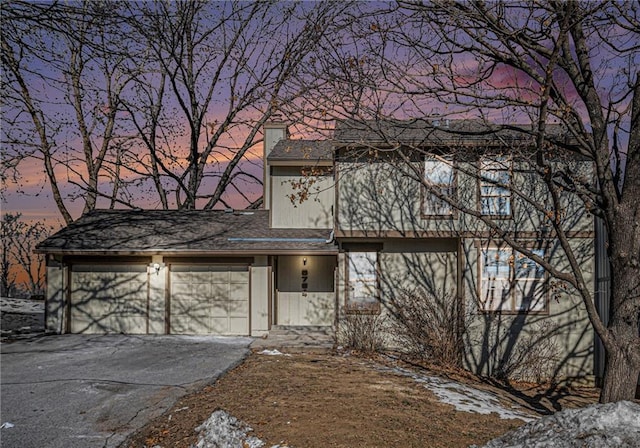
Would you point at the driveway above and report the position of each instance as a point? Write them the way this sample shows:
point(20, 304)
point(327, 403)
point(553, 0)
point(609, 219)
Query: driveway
point(93, 391)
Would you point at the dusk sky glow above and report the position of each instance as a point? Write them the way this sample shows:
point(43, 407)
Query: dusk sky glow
point(242, 52)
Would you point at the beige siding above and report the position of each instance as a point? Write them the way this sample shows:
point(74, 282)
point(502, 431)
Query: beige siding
point(495, 341)
point(428, 265)
point(157, 297)
point(315, 211)
point(260, 296)
point(388, 197)
point(55, 303)
point(383, 196)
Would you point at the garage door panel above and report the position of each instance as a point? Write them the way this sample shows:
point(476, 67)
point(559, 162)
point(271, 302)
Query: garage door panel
point(220, 325)
point(181, 277)
point(200, 277)
point(127, 323)
point(220, 291)
point(238, 308)
point(239, 277)
point(180, 288)
point(109, 299)
point(191, 307)
point(202, 290)
point(220, 277)
point(208, 307)
point(238, 324)
point(190, 324)
point(239, 292)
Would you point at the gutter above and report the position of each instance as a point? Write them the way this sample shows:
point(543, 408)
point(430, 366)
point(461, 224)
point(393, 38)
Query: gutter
point(277, 240)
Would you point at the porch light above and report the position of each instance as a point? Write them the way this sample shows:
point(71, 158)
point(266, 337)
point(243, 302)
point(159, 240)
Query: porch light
point(304, 261)
point(156, 267)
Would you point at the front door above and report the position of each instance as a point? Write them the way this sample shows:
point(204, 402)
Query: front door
point(305, 290)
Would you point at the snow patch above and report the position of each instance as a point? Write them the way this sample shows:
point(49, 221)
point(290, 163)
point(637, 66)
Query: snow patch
point(222, 430)
point(273, 352)
point(21, 306)
point(597, 426)
point(464, 398)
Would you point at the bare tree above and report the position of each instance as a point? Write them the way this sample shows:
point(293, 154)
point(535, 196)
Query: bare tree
point(62, 83)
point(167, 116)
point(19, 238)
point(568, 64)
point(218, 72)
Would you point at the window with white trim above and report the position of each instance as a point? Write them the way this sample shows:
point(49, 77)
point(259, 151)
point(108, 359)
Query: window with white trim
point(510, 281)
point(439, 175)
point(495, 187)
point(362, 293)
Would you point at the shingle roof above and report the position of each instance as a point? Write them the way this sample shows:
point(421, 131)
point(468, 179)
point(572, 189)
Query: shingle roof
point(302, 150)
point(431, 132)
point(182, 231)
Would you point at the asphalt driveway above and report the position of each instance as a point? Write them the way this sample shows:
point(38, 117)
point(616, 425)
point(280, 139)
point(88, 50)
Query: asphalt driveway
point(92, 391)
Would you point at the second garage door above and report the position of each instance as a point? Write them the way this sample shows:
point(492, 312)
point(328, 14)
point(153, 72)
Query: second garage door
point(209, 299)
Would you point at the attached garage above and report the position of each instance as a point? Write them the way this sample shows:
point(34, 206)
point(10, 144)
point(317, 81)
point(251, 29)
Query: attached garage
point(209, 299)
point(186, 272)
point(107, 298)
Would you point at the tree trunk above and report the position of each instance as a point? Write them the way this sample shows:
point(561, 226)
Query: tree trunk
point(623, 341)
point(620, 376)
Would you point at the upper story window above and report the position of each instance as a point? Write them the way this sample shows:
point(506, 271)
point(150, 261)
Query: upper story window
point(362, 290)
point(511, 282)
point(495, 187)
point(439, 175)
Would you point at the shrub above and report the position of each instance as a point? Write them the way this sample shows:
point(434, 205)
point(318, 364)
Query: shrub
point(362, 332)
point(428, 325)
point(533, 358)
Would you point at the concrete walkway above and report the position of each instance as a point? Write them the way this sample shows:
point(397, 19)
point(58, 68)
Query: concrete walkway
point(296, 340)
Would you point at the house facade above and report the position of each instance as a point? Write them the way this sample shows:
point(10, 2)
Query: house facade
point(347, 228)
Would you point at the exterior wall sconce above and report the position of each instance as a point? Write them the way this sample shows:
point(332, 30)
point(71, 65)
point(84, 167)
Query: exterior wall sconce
point(156, 267)
point(304, 261)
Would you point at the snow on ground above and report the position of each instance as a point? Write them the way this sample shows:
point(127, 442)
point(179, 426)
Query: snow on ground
point(596, 426)
point(462, 397)
point(222, 430)
point(21, 306)
point(20, 317)
point(273, 352)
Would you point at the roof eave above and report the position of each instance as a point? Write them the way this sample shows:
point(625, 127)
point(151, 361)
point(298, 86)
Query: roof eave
point(300, 162)
point(186, 253)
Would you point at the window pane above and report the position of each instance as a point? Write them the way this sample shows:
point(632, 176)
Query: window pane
point(496, 264)
point(527, 268)
point(495, 294)
point(437, 172)
point(529, 295)
point(439, 175)
point(362, 280)
point(362, 266)
point(495, 199)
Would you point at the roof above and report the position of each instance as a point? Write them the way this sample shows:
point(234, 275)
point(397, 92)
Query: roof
point(302, 150)
point(186, 232)
point(418, 132)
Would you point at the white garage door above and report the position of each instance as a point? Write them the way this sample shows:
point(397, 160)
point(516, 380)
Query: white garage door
point(109, 299)
point(209, 299)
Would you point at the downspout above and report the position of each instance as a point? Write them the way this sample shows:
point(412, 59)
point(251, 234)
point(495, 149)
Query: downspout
point(331, 237)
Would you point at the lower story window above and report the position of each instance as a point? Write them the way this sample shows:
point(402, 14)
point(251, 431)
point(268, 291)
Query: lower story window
point(362, 289)
point(511, 282)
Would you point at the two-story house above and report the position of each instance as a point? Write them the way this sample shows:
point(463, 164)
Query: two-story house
point(346, 228)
